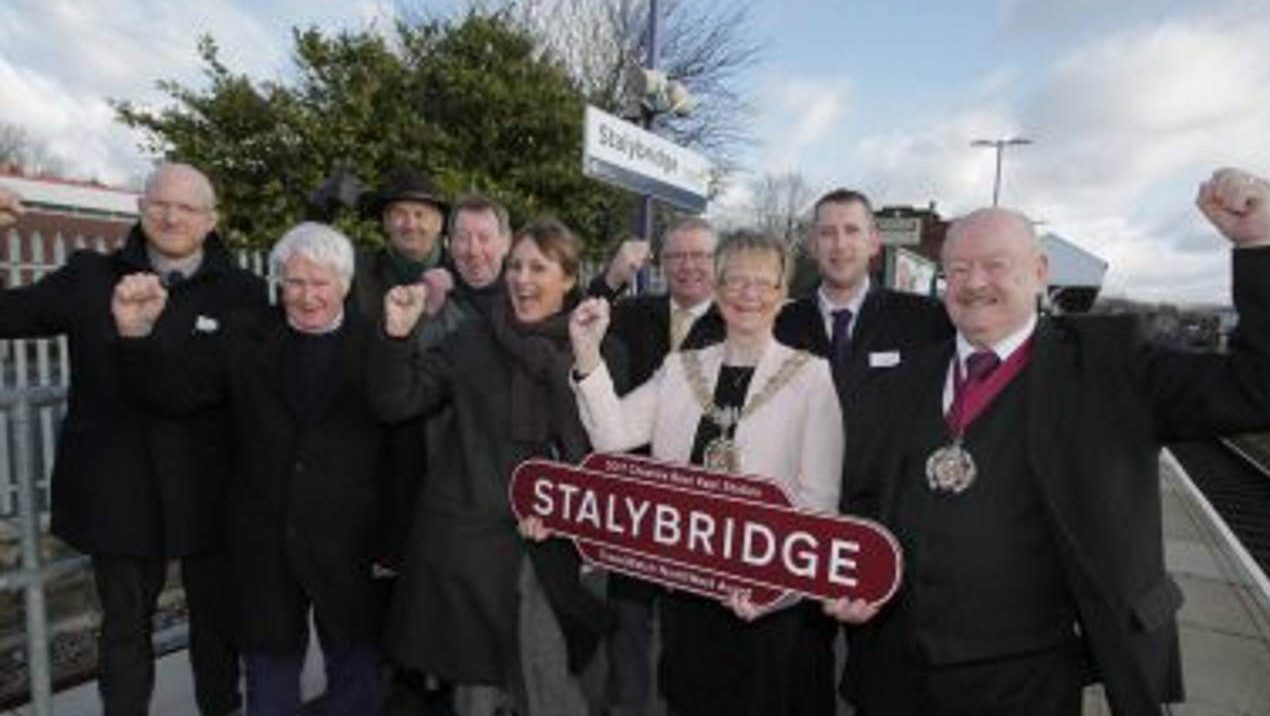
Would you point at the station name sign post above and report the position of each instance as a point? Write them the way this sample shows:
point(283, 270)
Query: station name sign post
point(706, 532)
point(620, 153)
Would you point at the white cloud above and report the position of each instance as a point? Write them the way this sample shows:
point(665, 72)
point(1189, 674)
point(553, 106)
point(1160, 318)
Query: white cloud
point(1127, 128)
point(79, 131)
point(63, 59)
point(799, 115)
point(1125, 123)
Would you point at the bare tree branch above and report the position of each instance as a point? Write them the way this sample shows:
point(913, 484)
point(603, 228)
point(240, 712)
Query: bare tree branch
point(780, 205)
point(704, 44)
point(19, 149)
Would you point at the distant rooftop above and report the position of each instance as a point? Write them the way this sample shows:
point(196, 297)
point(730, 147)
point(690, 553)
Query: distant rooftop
point(80, 198)
point(1071, 265)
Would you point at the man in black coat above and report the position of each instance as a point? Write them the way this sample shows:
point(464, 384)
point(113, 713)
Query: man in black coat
point(864, 331)
point(131, 489)
point(1020, 473)
point(410, 209)
point(651, 326)
point(480, 237)
point(412, 213)
point(305, 496)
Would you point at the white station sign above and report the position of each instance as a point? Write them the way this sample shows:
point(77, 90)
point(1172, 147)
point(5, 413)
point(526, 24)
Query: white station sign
point(625, 155)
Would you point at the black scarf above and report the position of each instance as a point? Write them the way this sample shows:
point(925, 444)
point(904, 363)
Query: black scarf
point(544, 414)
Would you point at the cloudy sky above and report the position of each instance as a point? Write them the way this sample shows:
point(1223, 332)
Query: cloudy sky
point(1129, 103)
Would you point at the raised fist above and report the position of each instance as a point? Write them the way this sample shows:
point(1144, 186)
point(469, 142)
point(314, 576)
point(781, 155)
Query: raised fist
point(631, 256)
point(1238, 204)
point(587, 326)
point(138, 301)
point(439, 282)
point(403, 305)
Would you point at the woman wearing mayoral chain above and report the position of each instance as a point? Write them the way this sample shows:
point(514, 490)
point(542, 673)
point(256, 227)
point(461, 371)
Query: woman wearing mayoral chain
point(749, 405)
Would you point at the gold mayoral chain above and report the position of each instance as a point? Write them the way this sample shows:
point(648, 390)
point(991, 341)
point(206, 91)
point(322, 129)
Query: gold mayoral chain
point(721, 453)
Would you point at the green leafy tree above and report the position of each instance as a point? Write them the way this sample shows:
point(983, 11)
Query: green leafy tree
point(471, 101)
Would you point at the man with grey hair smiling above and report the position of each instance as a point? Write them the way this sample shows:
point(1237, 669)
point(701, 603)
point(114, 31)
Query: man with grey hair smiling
point(131, 489)
point(305, 489)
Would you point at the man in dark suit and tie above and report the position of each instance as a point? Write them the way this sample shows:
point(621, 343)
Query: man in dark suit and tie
point(684, 317)
point(859, 327)
point(651, 326)
point(1019, 469)
point(864, 331)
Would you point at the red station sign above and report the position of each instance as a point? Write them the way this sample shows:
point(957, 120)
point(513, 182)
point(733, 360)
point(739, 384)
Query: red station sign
point(706, 532)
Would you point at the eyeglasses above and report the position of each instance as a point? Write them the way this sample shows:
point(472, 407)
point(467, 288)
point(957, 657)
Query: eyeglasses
point(181, 210)
point(740, 284)
point(686, 256)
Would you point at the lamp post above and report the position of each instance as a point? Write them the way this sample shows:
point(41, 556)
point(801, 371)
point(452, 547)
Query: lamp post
point(999, 145)
point(644, 212)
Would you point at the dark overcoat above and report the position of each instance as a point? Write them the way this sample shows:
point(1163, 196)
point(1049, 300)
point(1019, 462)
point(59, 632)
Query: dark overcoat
point(305, 493)
point(642, 326)
point(889, 329)
point(126, 482)
point(1100, 403)
point(455, 612)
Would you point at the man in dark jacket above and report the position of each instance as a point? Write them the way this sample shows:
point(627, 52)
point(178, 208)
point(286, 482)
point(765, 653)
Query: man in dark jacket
point(650, 327)
point(131, 489)
point(864, 331)
point(305, 493)
point(480, 236)
point(412, 213)
point(1020, 472)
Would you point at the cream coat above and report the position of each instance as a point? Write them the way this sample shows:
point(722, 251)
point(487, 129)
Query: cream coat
point(795, 439)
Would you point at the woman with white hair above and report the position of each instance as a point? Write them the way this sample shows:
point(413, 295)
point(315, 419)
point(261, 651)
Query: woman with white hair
point(305, 490)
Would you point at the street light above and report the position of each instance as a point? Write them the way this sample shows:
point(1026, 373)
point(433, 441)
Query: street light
point(1000, 145)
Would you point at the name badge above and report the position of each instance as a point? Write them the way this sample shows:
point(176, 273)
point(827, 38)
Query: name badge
point(884, 359)
point(206, 324)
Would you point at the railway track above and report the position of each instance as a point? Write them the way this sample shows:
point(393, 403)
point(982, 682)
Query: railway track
point(1234, 475)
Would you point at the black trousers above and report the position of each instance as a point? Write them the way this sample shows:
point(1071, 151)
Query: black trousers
point(630, 646)
point(128, 589)
point(1049, 682)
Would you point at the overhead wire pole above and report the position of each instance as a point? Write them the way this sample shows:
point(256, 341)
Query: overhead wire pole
point(999, 145)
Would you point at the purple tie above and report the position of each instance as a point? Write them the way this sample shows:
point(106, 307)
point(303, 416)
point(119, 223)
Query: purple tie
point(980, 364)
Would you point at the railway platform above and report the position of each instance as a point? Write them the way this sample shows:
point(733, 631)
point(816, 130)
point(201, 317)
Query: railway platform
point(1224, 623)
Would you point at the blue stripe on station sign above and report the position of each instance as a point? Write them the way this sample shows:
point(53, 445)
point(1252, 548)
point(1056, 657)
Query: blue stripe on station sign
point(626, 179)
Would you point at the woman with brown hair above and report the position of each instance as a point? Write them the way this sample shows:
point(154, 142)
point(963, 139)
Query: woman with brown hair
point(508, 622)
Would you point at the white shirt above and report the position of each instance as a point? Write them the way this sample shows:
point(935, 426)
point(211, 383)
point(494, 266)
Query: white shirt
point(827, 308)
